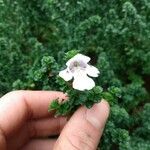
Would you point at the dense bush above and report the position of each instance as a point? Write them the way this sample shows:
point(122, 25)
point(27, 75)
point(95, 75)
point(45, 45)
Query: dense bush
point(34, 34)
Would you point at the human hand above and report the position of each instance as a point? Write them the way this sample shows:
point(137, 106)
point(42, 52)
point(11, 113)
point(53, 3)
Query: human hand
point(25, 123)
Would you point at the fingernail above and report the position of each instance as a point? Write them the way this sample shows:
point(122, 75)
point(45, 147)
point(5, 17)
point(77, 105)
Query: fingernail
point(98, 114)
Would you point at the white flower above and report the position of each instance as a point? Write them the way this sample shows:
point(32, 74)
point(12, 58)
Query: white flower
point(79, 69)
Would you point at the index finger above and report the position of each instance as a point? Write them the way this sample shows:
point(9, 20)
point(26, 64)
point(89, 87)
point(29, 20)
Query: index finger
point(18, 106)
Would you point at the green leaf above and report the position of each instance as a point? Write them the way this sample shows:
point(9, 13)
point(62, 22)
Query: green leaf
point(54, 105)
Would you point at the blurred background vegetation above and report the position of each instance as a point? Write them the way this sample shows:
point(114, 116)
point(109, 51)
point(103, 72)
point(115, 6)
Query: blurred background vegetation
point(115, 34)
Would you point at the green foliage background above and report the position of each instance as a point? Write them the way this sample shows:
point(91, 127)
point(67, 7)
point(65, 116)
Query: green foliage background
point(114, 33)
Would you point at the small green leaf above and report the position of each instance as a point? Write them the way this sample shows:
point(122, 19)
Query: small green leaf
point(70, 54)
point(54, 105)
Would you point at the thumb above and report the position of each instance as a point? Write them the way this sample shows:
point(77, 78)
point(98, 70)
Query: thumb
point(84, 129)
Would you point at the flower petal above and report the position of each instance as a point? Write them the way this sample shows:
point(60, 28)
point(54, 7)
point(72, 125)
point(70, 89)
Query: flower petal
point(83, 83)
point(92, 71)
point(65, 74)
point(78, 57)
point(82, 57)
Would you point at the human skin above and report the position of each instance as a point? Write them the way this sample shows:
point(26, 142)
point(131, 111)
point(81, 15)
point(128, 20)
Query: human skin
point(25, 123)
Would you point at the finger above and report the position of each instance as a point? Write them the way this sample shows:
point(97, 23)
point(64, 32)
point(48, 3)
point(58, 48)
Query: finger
point(39, 144)
point(46, 127)
point(35, 129)
point(84, 129)
point(18, 106)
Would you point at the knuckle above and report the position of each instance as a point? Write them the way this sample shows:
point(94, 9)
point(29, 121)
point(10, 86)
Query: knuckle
point(58, 126)
point(18, 96)
point(32, 130)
